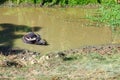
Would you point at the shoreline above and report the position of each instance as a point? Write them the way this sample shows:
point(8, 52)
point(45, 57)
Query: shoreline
point(19, 57)
point(31, 5)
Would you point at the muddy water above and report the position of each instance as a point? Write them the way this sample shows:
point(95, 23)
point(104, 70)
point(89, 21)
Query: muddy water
point(62, 28)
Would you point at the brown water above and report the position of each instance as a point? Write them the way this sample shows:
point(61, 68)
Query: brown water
point(63, 28)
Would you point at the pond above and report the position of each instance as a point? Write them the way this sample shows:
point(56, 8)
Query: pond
point(63, 28)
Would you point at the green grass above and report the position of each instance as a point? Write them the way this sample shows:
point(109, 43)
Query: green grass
point(108, 14)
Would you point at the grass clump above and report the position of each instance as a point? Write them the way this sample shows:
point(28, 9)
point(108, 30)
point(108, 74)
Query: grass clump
point(108, 14)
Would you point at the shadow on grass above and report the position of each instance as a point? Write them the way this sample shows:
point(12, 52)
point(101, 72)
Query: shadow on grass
point(3, 1)
point(8, 35)
point(69, 58)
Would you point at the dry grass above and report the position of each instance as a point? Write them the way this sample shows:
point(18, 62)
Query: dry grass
point(91, 66)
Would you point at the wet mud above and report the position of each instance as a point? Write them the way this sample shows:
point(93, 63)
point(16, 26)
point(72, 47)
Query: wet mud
point(101, 49)
point(109, 49)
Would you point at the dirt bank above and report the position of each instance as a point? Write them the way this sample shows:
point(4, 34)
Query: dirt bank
point(20, 57)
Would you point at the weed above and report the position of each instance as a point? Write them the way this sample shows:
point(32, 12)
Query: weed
point(108, 13)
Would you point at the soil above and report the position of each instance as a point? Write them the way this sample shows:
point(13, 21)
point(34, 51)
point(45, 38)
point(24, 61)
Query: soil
point(101, 49)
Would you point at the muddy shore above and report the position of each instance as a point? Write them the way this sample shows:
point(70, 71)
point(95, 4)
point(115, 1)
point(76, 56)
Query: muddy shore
point(20, 57)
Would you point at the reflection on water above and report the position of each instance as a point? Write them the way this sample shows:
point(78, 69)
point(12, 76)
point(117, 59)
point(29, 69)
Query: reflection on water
point(63, 28)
